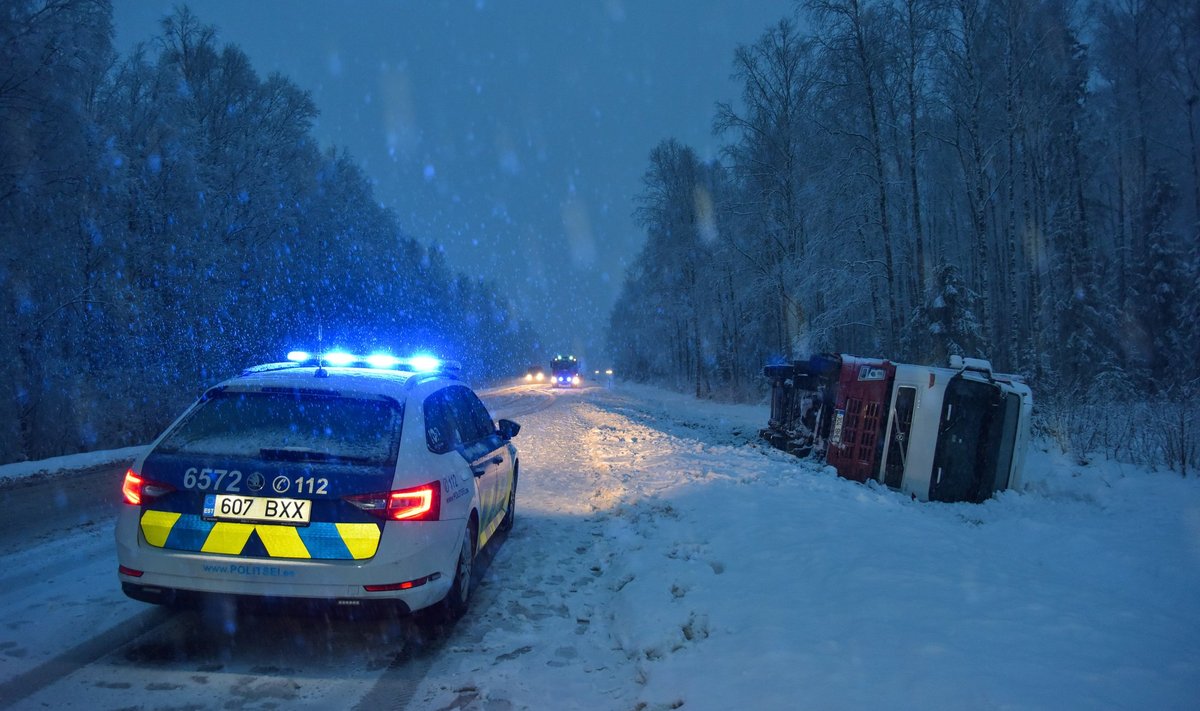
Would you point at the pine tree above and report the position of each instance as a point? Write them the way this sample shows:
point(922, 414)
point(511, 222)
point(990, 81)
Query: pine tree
point(947, 323)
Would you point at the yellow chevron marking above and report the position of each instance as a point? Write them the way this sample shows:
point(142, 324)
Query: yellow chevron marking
point(156, 526)
point(228, 538)
point(361, 539)
point(282, 541)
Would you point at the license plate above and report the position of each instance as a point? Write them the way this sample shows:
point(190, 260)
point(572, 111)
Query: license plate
point(836, 437)
point(227, 507)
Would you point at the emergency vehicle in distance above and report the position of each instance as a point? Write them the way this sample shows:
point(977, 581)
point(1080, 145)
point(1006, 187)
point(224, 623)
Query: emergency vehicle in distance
point(939, 434)
point(340, 479)
point(564, 372)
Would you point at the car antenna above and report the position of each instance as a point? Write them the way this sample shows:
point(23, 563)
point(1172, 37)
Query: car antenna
point(321, 372)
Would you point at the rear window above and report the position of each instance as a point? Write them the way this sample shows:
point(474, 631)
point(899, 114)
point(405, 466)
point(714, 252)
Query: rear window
point(291, 426)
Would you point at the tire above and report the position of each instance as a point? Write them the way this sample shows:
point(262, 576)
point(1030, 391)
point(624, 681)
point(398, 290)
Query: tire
point(459, 598)
point(510, 511)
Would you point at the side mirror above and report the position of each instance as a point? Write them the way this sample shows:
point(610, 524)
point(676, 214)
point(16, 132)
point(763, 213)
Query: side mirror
point(509, 429)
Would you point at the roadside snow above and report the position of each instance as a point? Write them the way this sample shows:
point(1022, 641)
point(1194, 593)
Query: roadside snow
point(663, 559)
point(54, 465)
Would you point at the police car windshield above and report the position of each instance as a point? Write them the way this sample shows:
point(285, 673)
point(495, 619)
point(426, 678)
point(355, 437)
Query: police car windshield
point(291, 427)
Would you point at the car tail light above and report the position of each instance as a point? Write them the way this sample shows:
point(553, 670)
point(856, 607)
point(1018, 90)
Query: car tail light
point(137, 490)
point(421, 503)
point(406, 585)
point(131, 572)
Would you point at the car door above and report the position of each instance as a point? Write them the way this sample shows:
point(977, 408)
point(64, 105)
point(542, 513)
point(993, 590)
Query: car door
point(488, 455)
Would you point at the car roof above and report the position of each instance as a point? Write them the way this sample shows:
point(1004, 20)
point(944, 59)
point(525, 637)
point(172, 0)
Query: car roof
point(364, 381)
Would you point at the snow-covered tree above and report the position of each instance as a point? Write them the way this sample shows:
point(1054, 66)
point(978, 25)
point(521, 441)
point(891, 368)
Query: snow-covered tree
point(948, 322)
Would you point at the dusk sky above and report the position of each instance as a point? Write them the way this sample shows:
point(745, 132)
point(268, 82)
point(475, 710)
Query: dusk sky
point(514, 134)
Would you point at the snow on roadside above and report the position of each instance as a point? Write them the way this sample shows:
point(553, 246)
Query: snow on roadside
point(669, 561)
point(43, 467)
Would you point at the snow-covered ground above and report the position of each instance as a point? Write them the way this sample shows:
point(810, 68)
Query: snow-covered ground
point(662, 558)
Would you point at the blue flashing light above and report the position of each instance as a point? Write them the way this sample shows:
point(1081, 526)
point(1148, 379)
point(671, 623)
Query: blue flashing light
point(419, 363)
point(339, 358)
point(424, 363)
point(382, 360)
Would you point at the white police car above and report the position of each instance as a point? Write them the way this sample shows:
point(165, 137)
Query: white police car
point(340, 478)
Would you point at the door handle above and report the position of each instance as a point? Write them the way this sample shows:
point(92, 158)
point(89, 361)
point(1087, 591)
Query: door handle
point(481, 469)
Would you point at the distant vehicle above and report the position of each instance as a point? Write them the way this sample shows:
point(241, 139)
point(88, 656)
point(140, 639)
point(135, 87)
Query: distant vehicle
point(344, 479)
point(564, 372)
point(535, 374)
point(939, 434)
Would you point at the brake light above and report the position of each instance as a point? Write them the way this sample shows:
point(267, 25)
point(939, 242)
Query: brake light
point(137, 490)
point(422, 503)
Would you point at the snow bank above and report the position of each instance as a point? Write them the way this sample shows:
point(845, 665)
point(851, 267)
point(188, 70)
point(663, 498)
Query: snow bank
point(69, 462)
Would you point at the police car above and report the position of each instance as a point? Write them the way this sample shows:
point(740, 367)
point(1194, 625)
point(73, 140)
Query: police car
point(337, 478)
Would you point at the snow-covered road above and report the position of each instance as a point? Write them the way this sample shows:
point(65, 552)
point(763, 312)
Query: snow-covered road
point(662, 559)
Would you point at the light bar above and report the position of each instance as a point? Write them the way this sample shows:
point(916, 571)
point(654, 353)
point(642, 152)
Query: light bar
point(419, 363)
point(424, 363)
point(382, 360)
point(339, 358)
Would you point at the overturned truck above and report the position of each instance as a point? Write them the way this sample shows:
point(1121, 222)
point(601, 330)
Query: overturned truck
point(940, 434)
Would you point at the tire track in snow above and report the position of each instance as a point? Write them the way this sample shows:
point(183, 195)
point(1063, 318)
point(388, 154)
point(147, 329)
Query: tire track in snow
point(542, 606)
point(88, 652)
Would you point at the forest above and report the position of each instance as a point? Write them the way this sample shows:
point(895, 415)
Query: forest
point(166, 219)
point(1016, 180)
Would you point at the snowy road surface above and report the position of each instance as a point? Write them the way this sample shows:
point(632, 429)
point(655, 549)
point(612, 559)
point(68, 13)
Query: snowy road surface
point(662, 559)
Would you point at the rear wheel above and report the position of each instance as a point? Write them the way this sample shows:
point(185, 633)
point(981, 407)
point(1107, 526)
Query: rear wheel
point(459, 597)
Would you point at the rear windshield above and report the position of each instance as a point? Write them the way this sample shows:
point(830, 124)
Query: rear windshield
point(291, 426)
